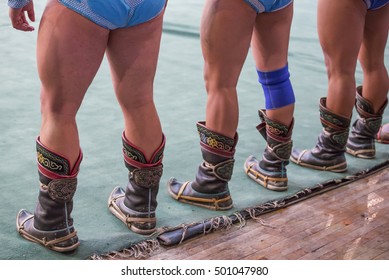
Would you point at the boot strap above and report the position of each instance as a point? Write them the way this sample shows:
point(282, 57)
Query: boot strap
point(223, 170)
point(214, 201)
point(50, 244)
point(147, 177)
point(264, 178)
point(131, 220)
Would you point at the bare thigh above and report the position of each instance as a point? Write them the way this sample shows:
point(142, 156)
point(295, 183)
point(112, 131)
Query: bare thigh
point(69, 52)
point(226, 30)
point(375, 37)
point(340, 27)
point(133, 55)
point(270, 40)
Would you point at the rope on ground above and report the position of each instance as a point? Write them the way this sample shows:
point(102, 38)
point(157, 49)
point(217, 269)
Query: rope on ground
point(179, 234)
point(139, 250)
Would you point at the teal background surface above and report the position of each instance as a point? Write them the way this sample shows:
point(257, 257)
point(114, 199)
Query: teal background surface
point(180, 99)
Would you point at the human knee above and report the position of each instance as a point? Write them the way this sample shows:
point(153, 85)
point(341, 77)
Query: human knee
point(135, 101)
point(372, 63)
point(215, 84)
point(56, 106)
point(277, 88)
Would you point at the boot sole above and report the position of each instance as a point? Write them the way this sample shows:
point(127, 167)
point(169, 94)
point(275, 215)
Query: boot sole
point(47, 244)
point(196, 201)
point(115, 210)
point(366, 154)
point(264, 180)
point(339, 168)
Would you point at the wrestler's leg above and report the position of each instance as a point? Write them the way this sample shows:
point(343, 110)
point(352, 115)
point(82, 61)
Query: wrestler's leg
point(226, 30)
point(270, 49)
point(68, 58)
point(70, 50)
point(133, 54)
point(340, 28)
point(270, 44)
point(371, 57)
point(371, 98)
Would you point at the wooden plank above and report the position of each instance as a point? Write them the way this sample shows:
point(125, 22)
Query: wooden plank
point(351, 222)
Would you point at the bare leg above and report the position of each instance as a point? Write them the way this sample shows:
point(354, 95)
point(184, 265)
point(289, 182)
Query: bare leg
point(133, 54)
point(371, 56)
point(270, 44)
point(270, 49)
point(68, 59)
point(226, 30)
point(340, 27)
point(371, 99)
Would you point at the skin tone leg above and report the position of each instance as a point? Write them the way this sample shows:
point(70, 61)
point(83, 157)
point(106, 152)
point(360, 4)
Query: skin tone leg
point(133, 54)
point(68, 59)
point(226, 30)
point(340, 28)
point(270, 44)
point(371, 57)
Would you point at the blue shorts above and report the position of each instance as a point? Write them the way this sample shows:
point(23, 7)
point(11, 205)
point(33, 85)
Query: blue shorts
point(375, 4)
point(112, 14)
point(266, 6)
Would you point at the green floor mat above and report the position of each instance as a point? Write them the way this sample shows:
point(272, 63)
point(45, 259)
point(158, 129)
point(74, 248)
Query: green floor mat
point(180, 98)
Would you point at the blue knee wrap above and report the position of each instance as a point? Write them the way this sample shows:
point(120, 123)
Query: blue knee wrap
point(277, 88)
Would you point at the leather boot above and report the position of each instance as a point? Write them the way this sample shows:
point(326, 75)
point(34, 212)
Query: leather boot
point(361, 141)
point(136, 206)
point(328, 153)
point(51, 225)
point(210, 188)
point(382, 135)
point(270, 172)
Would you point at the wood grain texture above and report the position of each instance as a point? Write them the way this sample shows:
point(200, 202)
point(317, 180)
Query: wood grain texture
point(351, 222)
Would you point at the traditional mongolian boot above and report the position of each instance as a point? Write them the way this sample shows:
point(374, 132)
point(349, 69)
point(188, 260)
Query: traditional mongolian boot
point(51, 224)
point(328, 153)
point(210, 188)
point(361, 141)
point(383, 134)
point(137, 204)
point(270, 172)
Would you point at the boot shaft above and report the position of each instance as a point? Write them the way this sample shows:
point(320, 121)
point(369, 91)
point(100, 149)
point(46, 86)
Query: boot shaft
point(335, 130)
point(134, 156)
point(369, 121)
point(144, 176)
point(210, 187)
point(218, 153)
point(278, 137)
point(215, 147)
point(361, 142)
point(58, 184)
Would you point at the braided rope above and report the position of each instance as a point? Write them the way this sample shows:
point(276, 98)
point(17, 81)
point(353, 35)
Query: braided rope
point(146, 248)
